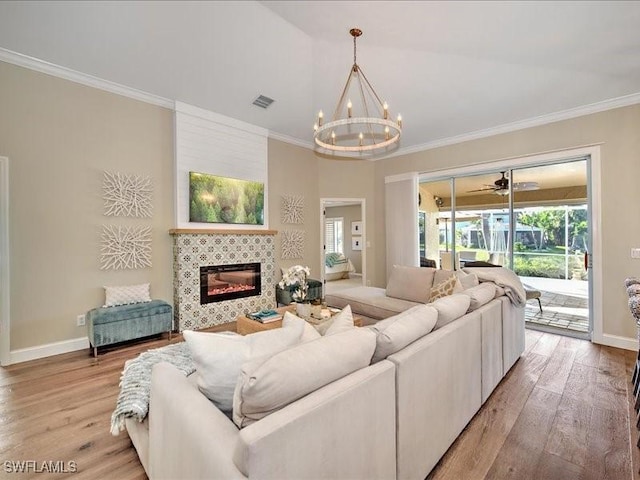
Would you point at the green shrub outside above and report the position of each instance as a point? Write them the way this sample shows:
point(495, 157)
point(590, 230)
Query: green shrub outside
point(548, 266)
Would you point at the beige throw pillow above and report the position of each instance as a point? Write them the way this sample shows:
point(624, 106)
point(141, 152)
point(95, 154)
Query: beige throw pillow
point(410, 283)
point(218, 357)
point(445, 288)
point(395, 333)
point(267, 386)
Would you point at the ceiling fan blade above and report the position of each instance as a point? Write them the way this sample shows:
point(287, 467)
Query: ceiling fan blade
point(488, 189)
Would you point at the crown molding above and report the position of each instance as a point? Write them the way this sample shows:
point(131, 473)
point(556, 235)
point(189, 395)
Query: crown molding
point(41, 66)
point(291, 140)
point(581, 111)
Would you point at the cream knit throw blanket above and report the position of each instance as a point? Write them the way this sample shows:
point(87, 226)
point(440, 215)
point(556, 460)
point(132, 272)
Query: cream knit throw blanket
point(135, 382)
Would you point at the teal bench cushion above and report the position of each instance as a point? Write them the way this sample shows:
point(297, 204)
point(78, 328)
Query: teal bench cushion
point(110, 325)
point(127, 312)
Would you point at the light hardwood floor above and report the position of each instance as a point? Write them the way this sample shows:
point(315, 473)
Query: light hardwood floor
point(563, 412)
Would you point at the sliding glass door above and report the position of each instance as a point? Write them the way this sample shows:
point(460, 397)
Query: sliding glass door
point(533, 220)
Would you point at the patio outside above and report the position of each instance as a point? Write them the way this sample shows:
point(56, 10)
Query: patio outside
point(549, 246)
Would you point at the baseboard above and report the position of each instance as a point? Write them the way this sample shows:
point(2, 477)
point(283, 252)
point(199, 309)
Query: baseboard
point(48, 350)
point(617, 341)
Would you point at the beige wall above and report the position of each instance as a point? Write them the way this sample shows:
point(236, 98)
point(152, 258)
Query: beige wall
point(59, 137)
point(617, 132)
point(350, 214)
point(294, 171)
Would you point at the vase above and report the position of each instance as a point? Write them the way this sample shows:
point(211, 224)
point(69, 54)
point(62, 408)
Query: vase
point(303, 310)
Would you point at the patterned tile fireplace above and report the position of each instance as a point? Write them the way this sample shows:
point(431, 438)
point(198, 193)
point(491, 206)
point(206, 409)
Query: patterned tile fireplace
point(197, 251)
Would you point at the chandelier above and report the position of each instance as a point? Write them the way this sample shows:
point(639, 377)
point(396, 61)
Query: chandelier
point(367, 132)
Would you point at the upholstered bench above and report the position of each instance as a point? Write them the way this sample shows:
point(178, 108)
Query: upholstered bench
point(109, 325)
point(284, 295)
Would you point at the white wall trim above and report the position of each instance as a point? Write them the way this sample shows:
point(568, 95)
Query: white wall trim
point(619, 342)
point(290, 140)
point(400, 177)
point(49, 349)
point(581, 111)
point(82, 78)
point(5, 285)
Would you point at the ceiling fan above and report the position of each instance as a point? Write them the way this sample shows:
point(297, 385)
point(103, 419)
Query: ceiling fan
point(501, 186)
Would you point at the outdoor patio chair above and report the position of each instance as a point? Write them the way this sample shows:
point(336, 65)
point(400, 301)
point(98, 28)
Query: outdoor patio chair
point(533, 293)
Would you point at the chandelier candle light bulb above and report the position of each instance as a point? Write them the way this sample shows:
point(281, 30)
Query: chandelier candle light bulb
point(338, 136)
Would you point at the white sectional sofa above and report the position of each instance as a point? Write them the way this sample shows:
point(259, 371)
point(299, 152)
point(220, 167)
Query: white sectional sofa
point(394, 418)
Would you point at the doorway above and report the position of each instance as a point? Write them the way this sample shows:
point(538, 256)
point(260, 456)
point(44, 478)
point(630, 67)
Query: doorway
point(343, 240)
point(533, 216)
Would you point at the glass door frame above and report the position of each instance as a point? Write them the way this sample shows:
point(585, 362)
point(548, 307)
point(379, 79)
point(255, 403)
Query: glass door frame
point(592, 156)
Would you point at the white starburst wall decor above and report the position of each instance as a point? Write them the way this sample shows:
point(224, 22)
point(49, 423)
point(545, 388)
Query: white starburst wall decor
point(292, 244)
point(127, 195)
point(125, 247)
point(292, 209)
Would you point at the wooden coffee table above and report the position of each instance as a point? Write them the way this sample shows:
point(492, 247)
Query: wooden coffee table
point(246, 325)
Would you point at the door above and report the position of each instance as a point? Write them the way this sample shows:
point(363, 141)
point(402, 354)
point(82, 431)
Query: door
point(534, 216)
point(343, 240)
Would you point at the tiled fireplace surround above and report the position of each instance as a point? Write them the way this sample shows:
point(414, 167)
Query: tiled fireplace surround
point(193, 249)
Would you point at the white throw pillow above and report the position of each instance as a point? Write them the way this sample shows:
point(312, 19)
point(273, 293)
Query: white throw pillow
point(467, 280)
point(340, 322)
point(308, 332)
point(219, 357)
point(410, 283)
point(267, 386)
point(395, 333)
point(126, 294)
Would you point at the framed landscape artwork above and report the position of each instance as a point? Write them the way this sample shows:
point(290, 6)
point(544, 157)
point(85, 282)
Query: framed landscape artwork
point(214, 199)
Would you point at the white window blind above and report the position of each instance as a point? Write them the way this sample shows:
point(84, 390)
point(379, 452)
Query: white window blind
point(334, 235)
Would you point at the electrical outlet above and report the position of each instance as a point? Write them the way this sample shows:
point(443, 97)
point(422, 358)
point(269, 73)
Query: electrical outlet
point(635, 253)
point(80, 320)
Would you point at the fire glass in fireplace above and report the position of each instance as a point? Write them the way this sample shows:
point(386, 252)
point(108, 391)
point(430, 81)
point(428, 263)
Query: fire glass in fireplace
point(227, 282)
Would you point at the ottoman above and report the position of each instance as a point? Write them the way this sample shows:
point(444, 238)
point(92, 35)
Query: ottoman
point(109, 325)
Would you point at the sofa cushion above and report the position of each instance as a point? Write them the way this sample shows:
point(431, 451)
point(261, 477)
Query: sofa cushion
point(395, 333)
point(308, 332)
point(480, 295)
point(445, 288)
point(218, 357)
point(410, 283)
point(450, 308)
point(369, 301)
point(267, 386)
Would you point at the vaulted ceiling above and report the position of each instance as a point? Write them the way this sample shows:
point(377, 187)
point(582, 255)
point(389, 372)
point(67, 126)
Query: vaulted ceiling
point(453, 69)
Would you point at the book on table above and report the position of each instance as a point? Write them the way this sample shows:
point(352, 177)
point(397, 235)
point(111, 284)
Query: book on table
point(265, 316)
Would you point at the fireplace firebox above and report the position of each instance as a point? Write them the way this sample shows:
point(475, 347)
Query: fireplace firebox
point(228, 282)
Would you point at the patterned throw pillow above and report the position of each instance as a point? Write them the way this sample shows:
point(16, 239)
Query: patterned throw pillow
point(443, 289)
point(127, 294)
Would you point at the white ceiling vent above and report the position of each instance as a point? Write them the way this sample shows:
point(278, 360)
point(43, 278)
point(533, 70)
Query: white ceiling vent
point(262, 101)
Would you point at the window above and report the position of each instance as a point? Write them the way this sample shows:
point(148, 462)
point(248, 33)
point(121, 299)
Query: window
point(334, 235)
